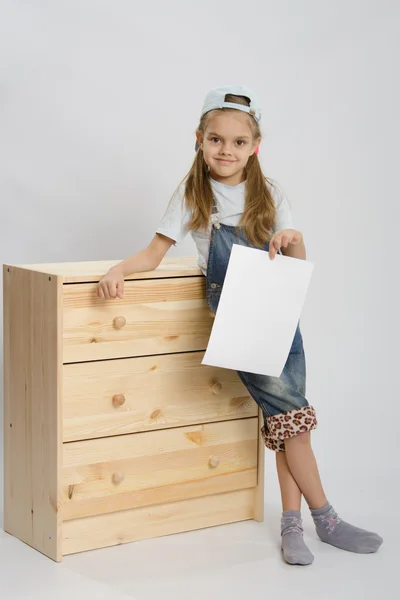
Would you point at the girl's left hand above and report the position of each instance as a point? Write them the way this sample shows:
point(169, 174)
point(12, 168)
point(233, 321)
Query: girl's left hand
point(281, 239)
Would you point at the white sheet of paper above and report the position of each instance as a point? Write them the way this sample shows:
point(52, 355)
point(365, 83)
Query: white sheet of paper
point(258, 311)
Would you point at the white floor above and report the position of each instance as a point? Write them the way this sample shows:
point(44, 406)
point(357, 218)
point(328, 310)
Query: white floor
point(238, 561)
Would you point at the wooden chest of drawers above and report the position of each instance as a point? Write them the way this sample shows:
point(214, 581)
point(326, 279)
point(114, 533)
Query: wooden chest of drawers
point(114, 431)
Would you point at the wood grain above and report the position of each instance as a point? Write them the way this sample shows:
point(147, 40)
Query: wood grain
point(150, 393)
point(154, 521)
point(77, 272)
point(110, 474)
point(32, 427)
point(162, 316)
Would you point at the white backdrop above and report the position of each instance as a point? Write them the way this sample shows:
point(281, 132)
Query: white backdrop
point(99, 102)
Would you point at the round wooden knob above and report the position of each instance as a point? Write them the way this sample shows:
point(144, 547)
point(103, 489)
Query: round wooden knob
point(213, 462)
point(118, 400)
point(119, 322)
point(118, 478)
point(216, 387)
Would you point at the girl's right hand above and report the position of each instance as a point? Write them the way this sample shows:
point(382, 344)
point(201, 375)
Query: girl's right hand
point(111, 285)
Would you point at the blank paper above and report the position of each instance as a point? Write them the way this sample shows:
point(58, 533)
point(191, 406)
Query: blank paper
point(258, 311)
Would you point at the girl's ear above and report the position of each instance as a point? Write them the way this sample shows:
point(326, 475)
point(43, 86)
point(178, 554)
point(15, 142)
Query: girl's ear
point(199, 138)
point(256, 145)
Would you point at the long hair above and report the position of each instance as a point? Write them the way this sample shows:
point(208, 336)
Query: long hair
point(259, 214)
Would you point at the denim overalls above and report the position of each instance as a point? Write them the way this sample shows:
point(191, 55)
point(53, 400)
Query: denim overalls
point(281, 399)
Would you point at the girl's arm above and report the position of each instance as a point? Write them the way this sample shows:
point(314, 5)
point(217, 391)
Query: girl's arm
point(112, 284)
point(147, 259)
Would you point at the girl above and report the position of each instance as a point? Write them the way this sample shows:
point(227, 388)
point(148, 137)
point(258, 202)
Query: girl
point(226, 199)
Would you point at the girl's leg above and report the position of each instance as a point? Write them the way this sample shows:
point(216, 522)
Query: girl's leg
point(290, 491)
point(330, 528)
point(288, 422)
point(295, 551)
point(303, 467)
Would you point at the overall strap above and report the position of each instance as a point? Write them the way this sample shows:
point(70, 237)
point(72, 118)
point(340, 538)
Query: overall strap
point(215, 215)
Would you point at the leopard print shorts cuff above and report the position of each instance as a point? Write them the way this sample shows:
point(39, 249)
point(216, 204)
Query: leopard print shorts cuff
point(287, 425)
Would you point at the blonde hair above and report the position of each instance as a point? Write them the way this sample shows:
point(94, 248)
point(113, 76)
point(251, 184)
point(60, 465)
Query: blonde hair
point(259, 214)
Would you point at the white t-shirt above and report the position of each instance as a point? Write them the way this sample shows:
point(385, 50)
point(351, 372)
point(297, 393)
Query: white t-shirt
point(230, 201)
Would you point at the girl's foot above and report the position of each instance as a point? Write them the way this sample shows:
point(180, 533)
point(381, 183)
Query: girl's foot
point(295, 551)
point(332, 530)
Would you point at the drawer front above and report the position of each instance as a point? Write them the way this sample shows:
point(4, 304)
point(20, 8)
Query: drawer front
point(157, 520)
point(143, 469)
point(104, 398)
point(155, 316)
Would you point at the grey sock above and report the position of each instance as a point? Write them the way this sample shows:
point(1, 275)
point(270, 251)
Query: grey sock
point(295, 551)
point(332, 530)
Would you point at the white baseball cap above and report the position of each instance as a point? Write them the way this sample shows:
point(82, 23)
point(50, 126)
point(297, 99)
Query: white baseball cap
point(216, 99)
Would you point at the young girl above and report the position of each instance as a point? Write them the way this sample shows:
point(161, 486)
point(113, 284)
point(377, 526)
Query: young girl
point(226, 199)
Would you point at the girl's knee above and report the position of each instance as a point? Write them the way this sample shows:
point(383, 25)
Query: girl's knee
point(294, 425)
point(301, 439)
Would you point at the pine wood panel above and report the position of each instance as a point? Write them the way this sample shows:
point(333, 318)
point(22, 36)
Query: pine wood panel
point(86, 271)
point(154, 521)
point(162, 316)
point(139, 394)
point(32, 408)
point(110, 474)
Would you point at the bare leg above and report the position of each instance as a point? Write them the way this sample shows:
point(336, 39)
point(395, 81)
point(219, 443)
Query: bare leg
point(295, 551)
point(303, 466)
point(290, 492)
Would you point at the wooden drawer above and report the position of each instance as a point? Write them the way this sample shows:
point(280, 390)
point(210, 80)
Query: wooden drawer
point(156, 520)
point(155, 392)
point(142, 469)
point(156, 316)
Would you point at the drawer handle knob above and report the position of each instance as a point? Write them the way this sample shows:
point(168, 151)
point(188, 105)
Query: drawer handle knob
point(118, 478)
point(119, 322)
point(216, 388)
point(213, 462)
point(118, 400)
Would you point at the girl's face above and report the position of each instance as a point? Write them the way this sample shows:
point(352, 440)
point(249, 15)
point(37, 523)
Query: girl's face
point(227, 144)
